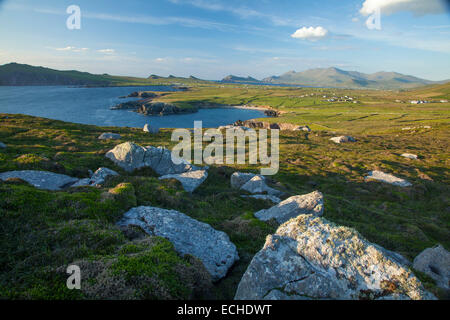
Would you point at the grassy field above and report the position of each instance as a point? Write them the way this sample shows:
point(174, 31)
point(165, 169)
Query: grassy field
point(43, 231)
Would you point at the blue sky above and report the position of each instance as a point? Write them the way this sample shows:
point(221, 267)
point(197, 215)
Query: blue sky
point(213, 38)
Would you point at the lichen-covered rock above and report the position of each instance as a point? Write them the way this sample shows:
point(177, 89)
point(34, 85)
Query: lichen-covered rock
point(311, 203)
point(109, 136)
point(343, 139)
point(97, 178)
point(410, 156)
point(130, 157)
point(435, 262)
point(309, 257)
point(257, 184)
point(190, 180)
point(188, 236)
point(238, 179)
point(41, 179)
point(387, 178)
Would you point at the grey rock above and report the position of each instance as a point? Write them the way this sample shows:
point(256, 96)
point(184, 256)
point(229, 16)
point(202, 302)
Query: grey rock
point(311, 203)
point(309, 257)
point(303, 128)
point(41, 179)
point(2, 145)
point(128, 156)
point(109, 136)
point(97, 178)
point(264, 197)
point(149, 129)
point(258, 184)
point(410, 156)
point(238, 179)
point(435, 262)
point(343, 139)
point(190, 180)
point(387, 178)
point(188, 236)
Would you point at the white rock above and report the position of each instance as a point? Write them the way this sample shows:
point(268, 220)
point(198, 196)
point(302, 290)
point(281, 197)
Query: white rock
point(41, 179)
point(257, 184)
point(435, 262)
point(149, 129)
point(343, 139)
point(410, 156)
point(387, 178)
point(97, 178)
point(109, 136)
point(238, 179)
point(190, 180)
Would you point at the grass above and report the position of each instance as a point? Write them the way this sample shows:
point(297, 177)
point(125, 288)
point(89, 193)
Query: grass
point(44, 231)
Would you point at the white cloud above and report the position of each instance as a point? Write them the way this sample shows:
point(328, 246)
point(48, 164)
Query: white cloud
point(72, 49)
point(418, 7)
point(106, 51)
point(311, 33)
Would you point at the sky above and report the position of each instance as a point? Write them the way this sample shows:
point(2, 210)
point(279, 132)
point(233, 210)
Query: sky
point(211, 39)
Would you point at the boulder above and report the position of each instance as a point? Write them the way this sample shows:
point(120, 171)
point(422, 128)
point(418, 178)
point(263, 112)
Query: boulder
point(303, 128)
point(435, 262)
point(97, 178)
point(130, 157)
point(109, 136)
point(2, 145)
point(257, 184)
point(311, 258)
point(343, 139)
point(387, 178)
point(311, 204)
point(41, 179)
point(238, 179)
point(264, 197)
point(410, 156)
point(190, 180)
point(149, 129)
point(188, 236)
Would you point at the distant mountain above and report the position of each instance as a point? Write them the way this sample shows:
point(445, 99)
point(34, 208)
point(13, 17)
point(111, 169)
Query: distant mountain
point(235, 79)
point(337, 78)
point(14, 74)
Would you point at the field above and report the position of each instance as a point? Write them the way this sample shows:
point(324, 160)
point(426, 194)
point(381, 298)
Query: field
point(43, 230)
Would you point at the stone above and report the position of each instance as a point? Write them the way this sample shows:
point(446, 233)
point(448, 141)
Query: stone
point(130, 157)
point(264, 197)
point(190, 180)
point(311, 203)
point(410, 156)
point(41, 179)
point(257, 184)
point(188, 236)
point(343, 139)
point(387, 178)
point(238, 179)
point(149, 129)
point(2, 145)
point(311, 258)
point(303, 128)
point(97, 178)
point(109, 136)
point(435, 262)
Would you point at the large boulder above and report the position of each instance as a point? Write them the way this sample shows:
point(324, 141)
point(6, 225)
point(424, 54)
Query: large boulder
point(109, 136)
point(387, 178)
point(97, 178)
point(435, 262)
point(311, 258)
point(130, 156)
point(188, 236)
point(41, 179)
point(343, 139)
point(190, 180)
point(311, 203)
point(257, 184)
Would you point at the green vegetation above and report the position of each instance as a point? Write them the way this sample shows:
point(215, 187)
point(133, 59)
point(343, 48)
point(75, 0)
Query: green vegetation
point(43, 231)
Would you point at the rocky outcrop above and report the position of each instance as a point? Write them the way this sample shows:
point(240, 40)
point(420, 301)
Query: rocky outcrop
point(2, 145)
point(142, 94)
point(311, 204)
point(98, 178)
point(188, 236)
point(387, 178)
point(266, 125)
point(109, 136)
point(435, 262)
point(41, 179)
point(343, 139)
point(311, 258)
point(190, 180)
point(152, 108)
point(130, 157)
point(410, 156)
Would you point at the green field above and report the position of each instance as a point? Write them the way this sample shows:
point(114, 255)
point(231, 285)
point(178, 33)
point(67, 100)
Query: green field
point(43, 231)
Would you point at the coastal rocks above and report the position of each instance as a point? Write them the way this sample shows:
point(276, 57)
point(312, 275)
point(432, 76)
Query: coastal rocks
point(158, 108)
point(311, 204)
point(188, 236)
point(311, 258)
point(109, 136)
point(149, 129)
point(130, 157)
point(2, 145)
point(387, 178)
point(271, 113)
point(266, 125)
point(410, 156)
point(343, 139)
point(97, 178)
point(142, 94)
point(435, 262)
point(41, 179)
point(257, 184)
point(190, 180)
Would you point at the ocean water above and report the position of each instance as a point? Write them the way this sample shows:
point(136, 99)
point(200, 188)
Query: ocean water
point(92, 106)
